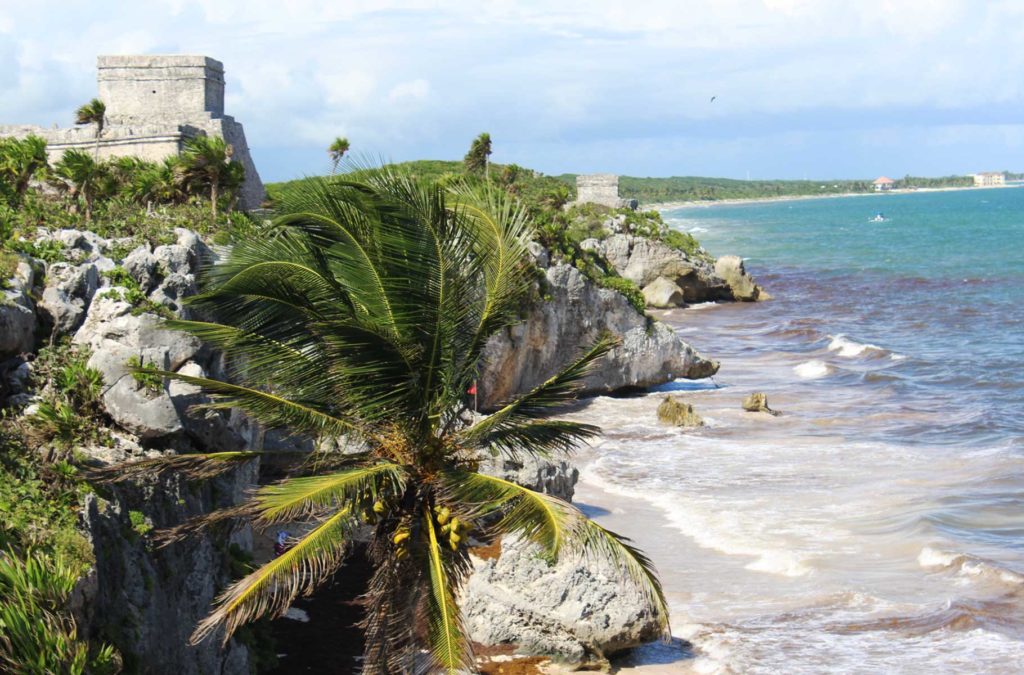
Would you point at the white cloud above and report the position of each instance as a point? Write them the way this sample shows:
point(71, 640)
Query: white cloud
point(409, 77)
point(413, 90)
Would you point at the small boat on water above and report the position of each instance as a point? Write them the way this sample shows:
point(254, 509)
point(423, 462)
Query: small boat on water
point(878, 218)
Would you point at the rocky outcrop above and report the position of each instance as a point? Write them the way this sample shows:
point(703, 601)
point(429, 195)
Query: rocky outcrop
point(678, 413)
point(17, 311)
point(556, 332)
point(576, 611)
point(69, 290)
point(146, 600)
point(663, 293)
point(671, 278)
point(557, 478)
point(573, 611)
point(730, 268)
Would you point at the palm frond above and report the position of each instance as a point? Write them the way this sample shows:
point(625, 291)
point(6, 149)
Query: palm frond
point(449, 647)
point(295, 498)
point(271, 589)
point(544, 520)
point(270, 409)
point(232, 516)
point(198, 466)
point(544, 398)
point(542, 438)
point(602, 544)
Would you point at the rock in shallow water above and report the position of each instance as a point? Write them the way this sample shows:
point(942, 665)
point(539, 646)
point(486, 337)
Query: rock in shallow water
point(676, 412)
point(758, 402)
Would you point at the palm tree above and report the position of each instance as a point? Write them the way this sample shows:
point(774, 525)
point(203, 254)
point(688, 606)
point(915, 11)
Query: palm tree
point(19, 162)
point(208, 159)
point(336, 151)
point(82, 177)
point(93, 112)
point(476, 159)
point(364, 318)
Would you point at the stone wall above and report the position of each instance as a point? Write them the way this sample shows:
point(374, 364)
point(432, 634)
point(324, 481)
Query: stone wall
point(172, 86)
point(154, 105)
point(599, 188)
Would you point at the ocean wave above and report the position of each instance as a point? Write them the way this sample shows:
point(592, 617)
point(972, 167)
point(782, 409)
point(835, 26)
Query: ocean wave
point(845, 347)
point(968, 566)
point(813, 369)
point(711, 528)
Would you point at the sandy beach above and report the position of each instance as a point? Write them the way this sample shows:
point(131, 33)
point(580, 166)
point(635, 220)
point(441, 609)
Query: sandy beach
point(669, 206)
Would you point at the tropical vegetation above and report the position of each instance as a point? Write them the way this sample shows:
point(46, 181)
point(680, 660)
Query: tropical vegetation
point(336, 150)
point(361, 323)
point(477, 158)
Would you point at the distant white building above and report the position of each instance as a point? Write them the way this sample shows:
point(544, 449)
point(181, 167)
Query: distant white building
point(989, 179)
point(884, 184)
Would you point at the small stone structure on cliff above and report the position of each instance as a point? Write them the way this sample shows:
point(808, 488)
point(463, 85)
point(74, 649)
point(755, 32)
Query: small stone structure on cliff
point(154, 105)
point(601, 188)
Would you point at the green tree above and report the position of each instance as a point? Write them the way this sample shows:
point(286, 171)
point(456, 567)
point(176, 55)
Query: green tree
point(336, 151)
point(476, 159)
point(82, 177)
point(93, 112)
point(19, 161)
point(207, 160)
point(361, 323)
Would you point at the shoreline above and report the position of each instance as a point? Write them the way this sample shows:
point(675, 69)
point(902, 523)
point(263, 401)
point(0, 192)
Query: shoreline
point(707, 203)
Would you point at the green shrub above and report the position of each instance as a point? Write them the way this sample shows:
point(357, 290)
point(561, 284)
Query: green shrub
point(39, 634)
point(145, 376)
point(684, 242)
point(628, 289)
point(140, 524)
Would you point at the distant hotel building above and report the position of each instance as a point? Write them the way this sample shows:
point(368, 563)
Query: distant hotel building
point(883, 184)
point(989, 179)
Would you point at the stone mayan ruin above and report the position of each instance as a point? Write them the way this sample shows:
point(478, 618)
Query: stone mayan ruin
point(601, 188)
point(155, 104)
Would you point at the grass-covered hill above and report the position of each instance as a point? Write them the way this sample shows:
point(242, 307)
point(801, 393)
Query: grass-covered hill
point(671, 189)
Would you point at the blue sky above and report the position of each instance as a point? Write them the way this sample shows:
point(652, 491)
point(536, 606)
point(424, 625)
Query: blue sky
point(810, 88)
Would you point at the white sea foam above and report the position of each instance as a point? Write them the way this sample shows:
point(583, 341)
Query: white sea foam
point(969, 566)
point(813, 369)
point(848, 348)
point(713, 527)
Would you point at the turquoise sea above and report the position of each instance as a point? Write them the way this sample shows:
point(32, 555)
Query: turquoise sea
point(877, 525)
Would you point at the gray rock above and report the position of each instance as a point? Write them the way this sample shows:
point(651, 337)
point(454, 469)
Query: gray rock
point(147, 600)
point(556, 332)
point(540, 254)
point(17, 312)
point(551, 477)
point(758, 402)
point(69, 290)
point(207, 428)
point(575, 611)
point(114, 335)
point(731, 269)
point(678, 413)
point(141, 265)
point(644, 261)
point(663, 293)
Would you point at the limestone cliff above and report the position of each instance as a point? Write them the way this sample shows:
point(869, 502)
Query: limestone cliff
point(556, 331)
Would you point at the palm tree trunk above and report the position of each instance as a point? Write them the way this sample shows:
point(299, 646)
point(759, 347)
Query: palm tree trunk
point(213, 197)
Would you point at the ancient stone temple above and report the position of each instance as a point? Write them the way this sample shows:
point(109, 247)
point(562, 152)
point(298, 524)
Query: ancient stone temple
point(155, 104)
point(601, 188)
